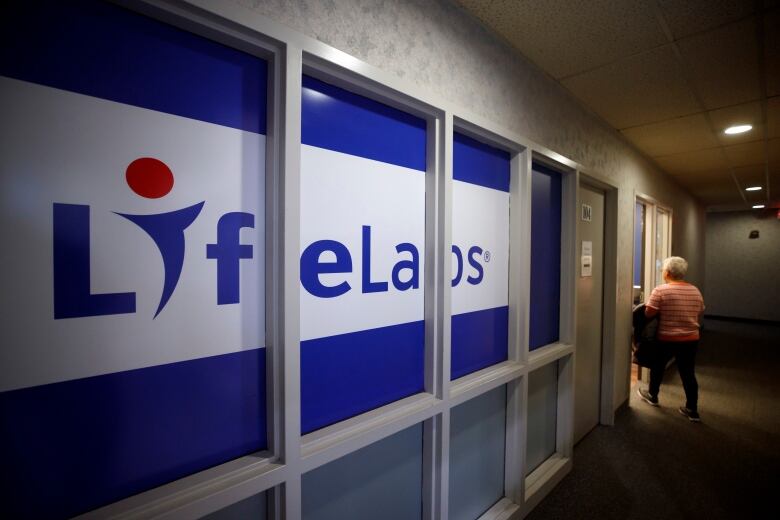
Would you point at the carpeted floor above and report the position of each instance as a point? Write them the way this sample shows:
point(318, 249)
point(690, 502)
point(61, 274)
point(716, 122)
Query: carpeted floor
point(655, 464)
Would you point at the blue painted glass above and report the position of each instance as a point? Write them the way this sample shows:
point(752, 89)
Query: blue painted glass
point(103, 438)
point(479, 163)
point(106, 437)
point(348, 374)
point(338, 120)
point(101, 50)
point(479, 339)
point(545, 256)
point(639, 217)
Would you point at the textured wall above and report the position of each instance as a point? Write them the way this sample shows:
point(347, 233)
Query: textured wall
point(743, 274)
point(435, 45)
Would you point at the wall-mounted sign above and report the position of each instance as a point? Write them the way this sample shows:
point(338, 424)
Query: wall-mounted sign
point(586, 258)
point(587, 213)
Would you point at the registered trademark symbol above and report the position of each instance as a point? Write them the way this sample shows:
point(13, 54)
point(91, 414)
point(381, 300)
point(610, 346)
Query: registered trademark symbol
point(487, 256)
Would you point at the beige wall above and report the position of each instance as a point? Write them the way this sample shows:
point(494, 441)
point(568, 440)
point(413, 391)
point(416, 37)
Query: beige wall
point(434, 45)
point(743, 274)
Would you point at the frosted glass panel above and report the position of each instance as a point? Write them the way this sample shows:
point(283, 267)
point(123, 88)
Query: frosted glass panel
point(254, 508)
point(542, 414)
point(380, 481)
point(477, 446)
point(662, 243)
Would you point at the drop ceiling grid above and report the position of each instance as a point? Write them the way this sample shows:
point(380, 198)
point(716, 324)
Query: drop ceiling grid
point(695, 162)
point(672, 95)
point(673, 135)
point(746, 113)
point(644, 88)
point(694, 16)
point(723, 64)
point(565, 37)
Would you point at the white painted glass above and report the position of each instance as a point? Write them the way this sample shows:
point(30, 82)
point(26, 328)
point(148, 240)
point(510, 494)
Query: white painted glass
point(477, 454)
point(382, 481)
point(542, 414)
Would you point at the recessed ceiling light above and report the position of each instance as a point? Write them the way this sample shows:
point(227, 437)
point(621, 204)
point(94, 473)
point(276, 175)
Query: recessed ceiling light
point(738, 129)
point(758, 206)
point(754, 188)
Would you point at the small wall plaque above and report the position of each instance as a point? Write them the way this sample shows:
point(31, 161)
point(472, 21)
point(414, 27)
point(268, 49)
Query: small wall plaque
point(587, 213)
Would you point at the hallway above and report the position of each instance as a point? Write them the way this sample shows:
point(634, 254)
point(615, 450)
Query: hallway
point(655, 464)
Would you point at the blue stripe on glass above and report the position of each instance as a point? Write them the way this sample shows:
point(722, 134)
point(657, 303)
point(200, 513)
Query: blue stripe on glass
point(105, 51)
point(478, 163)
point(479, 339)
point(639, 214)
point(545, 256)
point(336, 119)
point(69, 447)
point(348, 374)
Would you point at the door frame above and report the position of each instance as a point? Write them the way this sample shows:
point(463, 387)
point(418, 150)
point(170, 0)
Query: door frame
point(649, 282)
point(607, 405)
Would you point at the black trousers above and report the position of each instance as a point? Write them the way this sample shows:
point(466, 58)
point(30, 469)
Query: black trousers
point(685, 354)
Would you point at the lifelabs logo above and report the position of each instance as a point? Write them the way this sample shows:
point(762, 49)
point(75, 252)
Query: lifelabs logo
point(152, 179)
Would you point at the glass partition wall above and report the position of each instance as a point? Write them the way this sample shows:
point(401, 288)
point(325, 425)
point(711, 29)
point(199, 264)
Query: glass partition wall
point(353, 302)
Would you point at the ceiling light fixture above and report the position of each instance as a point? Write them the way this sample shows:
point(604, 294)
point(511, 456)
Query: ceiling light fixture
point(738, 129)
point(758, 206)
point(754, 188)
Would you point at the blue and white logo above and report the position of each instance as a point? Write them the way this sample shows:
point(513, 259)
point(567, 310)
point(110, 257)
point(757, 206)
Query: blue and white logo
point(138, 239)
point(149, 178)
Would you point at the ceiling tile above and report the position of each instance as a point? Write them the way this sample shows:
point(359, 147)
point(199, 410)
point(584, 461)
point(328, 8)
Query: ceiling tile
point(745, 154)
point(564, 37)
point(642, 89)
point(755, 197)
point(752, 176)
point(772, 52)
point(774, 182)
point(700, 161)
point(682, 134)
point(754, 173)
point(703, 176)
point(718, 192)
point(724, 64)
point(747, 113)
point(774, 150)
point(773, 117)
point(692, 16)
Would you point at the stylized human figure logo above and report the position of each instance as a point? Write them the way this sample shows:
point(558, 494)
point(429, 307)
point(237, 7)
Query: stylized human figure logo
point(151, 178)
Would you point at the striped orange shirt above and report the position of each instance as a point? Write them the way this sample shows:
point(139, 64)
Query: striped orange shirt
point(679, 305)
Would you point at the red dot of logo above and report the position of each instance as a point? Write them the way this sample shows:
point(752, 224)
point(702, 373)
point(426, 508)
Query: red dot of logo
point(149, 177)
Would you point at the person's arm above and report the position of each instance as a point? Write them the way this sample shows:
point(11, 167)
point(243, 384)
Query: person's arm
point(653, 305)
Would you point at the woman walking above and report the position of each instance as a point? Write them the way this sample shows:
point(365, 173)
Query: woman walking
point(679, 306)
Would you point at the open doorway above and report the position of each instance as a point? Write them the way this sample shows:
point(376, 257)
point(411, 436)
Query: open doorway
point(652, 244)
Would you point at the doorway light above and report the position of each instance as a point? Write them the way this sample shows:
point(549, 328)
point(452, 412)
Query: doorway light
point(738, 129)
point(758, 206)
point(754, 188)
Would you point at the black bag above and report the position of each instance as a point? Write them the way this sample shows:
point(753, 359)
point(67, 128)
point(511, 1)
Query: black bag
point(644, 346)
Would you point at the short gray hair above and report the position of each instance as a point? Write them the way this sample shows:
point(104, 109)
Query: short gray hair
point(676, 267)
